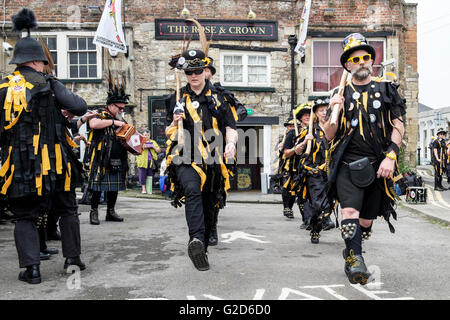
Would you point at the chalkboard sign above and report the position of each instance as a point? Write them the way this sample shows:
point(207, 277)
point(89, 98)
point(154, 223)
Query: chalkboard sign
point(157, 119)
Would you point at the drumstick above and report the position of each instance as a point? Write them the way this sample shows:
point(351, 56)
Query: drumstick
point(310, 130)
point(335, 112)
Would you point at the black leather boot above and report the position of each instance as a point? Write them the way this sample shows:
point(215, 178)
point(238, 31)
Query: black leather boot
point(213, 240)
point(288, 213)
point(32, 275)
point(93, 217)
point(355, 268)
point(314, 237)
point(111, 215)
point(75, 261)
point(327, 223)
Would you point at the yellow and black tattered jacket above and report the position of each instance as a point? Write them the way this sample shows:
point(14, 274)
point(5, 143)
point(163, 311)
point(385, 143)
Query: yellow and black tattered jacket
point(370, 115)
point(102, 142)
point(288, 166)
point(206, 125)
point(315, 162)
point(440, 167)
point(36, 150)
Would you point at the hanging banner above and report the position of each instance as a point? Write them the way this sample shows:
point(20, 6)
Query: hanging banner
point(301, 45)
point(109, 33)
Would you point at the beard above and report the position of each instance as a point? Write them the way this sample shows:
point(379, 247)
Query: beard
point(362, 73)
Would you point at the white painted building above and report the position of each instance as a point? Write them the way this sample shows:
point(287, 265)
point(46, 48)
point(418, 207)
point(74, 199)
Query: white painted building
point(430, 120)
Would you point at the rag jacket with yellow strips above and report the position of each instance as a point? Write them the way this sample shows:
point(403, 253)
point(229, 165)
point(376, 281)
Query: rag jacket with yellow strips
point(212, 116)
point(36, 149)
point(369, 114)
point(288, 166)
point(102, 142)
point(313, 164)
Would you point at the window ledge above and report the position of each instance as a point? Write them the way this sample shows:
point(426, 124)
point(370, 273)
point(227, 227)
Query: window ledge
point(250, 89)
point(81, 80)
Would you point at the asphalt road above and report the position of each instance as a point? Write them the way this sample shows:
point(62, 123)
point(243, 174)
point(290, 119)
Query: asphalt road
point(261, 255)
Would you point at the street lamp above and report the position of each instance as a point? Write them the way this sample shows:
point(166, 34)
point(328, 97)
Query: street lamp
point(292, 40)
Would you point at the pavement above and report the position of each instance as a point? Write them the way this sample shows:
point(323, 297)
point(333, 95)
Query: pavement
point(437, 207)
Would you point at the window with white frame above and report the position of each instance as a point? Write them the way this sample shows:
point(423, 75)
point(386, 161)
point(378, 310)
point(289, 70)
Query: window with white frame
point(53, 48)
point(74, 53)
point(82, 58)
point(240, 68)
point(327, 68)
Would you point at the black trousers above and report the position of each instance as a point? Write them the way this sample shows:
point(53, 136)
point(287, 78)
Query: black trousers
point(437, 176)
point(200, 206)
point(27, 210)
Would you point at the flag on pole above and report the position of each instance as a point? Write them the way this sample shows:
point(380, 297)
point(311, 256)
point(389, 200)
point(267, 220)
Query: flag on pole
point(109, 33)
point(300, 48)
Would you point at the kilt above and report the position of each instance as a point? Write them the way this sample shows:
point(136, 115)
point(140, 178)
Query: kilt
point(112, 181)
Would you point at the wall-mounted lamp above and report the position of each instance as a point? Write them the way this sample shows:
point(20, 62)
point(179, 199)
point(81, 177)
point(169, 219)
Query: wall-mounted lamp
point(185, 12)
point(251, 15)
point(328, 12)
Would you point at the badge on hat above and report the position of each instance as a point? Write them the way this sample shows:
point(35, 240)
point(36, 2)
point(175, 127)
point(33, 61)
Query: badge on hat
point(376, 104)
point(192, 53)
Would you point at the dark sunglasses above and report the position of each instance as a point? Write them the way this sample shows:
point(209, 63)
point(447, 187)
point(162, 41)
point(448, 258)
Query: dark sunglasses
point(120, 108)
point(190, 72)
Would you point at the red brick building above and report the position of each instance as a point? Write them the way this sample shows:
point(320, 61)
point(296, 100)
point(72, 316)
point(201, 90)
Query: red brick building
point(252, 57)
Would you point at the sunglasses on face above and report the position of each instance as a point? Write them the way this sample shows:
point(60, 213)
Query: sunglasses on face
point(190, 72)
point(358, 59)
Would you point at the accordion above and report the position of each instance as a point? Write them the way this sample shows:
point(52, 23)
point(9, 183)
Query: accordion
point(130, 139)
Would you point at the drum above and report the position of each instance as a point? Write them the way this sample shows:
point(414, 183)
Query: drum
point(416, 195)
point(130, 139)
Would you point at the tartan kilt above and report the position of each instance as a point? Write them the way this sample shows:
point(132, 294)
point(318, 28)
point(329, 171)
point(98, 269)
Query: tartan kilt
point(112, 181)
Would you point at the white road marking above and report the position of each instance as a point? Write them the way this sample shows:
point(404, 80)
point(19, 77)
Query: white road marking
point(374, 294)
point(242, 235)
point(329, 290)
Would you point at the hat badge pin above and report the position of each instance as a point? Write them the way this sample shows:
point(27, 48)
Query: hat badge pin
point(376, 104)
point(192, 53)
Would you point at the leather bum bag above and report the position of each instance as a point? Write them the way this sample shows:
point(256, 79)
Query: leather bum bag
point(362, 172)
point(115, 164)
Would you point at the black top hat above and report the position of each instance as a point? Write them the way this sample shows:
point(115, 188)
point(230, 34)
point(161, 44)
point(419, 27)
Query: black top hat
point(320, 102)
point(116, 92)
point(302, 109)
point(26, 49)
point(353, 42)
point(441, 130)
point(192, 59)
point(210, 65)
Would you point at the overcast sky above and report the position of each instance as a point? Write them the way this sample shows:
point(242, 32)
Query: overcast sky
point(433, 49)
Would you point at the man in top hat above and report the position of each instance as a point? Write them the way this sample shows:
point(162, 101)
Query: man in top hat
point(364, 150)
point(39, 166)
point(440, 159)
point(196, 168)
point(109, 159)
point(313, 164)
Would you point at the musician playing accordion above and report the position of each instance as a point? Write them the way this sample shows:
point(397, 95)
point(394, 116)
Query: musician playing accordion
point(108, 157)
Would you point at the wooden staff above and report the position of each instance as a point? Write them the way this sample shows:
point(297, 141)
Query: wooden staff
point(335, 112)
point(178, 97)
point(310, 130)
point(295, 122)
